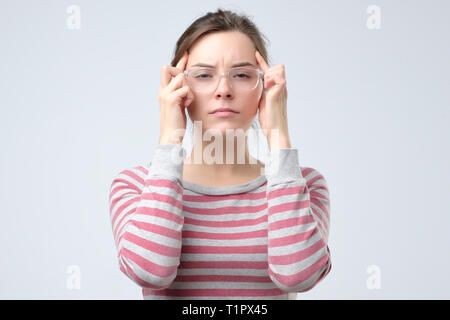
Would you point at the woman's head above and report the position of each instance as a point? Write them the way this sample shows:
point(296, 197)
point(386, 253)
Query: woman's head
point(222, 39)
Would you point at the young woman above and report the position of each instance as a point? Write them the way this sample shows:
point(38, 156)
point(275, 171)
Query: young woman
point(212, 226)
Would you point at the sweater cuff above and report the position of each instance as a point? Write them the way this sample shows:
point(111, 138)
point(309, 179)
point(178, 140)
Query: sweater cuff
point(167, 161)
point(282, 166)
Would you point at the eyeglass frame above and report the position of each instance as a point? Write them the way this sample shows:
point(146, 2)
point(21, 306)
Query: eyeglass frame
point(260, 73)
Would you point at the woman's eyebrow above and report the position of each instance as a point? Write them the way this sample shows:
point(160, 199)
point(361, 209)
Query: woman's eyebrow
point(240, 64)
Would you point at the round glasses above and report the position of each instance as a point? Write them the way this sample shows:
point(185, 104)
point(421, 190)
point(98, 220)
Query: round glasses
point(241, 79)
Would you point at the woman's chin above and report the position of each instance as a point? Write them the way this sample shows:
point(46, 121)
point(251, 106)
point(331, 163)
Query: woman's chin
point(224, 127)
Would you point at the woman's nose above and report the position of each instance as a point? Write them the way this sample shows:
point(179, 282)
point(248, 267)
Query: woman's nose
point(224, 86)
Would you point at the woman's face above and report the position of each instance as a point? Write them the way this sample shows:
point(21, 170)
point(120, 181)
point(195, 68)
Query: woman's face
point(222, 50)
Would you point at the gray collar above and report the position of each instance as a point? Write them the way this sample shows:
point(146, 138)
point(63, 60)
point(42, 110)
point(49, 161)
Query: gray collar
point(239, 188)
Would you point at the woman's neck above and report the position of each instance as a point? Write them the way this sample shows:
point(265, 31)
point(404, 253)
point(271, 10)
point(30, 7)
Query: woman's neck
point(215, 160)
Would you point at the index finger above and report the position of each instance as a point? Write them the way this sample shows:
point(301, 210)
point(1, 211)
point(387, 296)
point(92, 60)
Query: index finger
point(182, 62)
point(168, 72)
point(261, 62)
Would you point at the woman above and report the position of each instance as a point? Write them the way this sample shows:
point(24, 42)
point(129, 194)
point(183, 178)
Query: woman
point(212, 226)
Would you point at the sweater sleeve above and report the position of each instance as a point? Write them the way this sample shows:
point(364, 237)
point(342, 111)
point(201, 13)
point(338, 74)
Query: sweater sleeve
point(147, 220)
point(298, 223)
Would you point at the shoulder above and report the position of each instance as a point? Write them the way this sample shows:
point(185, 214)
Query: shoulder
point(314, 178)
point(132, 175)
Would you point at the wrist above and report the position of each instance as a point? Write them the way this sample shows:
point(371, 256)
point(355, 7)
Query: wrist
point(164, 140)
point(282, 143)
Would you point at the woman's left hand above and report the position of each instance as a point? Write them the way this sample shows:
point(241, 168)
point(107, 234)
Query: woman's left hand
point(273, 104)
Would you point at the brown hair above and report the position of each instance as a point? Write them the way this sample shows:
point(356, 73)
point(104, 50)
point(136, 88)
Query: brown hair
point(221, 20)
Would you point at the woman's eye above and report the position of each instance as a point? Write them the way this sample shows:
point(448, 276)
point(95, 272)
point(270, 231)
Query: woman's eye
point(203, 75)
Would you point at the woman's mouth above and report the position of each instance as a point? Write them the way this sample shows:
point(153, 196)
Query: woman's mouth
point(224, 114)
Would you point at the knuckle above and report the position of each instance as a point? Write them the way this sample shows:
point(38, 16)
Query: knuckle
point(164, 96)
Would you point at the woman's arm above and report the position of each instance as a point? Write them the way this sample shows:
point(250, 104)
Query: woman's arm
point(298, 222)
point(147, 220)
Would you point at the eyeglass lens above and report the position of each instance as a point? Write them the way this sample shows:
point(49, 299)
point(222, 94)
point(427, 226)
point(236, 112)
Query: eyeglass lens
point(205, 79)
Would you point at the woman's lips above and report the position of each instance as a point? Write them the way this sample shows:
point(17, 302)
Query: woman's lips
point(224, 114)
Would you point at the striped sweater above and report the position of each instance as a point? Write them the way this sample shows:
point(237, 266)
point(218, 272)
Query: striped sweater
point(260, 240)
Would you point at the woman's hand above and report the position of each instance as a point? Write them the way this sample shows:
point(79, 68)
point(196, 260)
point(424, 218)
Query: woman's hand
point(273, 104)
point(174, 96)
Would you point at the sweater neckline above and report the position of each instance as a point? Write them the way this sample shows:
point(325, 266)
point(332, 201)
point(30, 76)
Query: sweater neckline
point(234, 189)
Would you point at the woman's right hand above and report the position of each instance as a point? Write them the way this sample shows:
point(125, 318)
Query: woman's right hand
point(174, 96)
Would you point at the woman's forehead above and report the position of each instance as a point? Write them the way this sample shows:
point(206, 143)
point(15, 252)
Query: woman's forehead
point(222, 47)
point(230, 59)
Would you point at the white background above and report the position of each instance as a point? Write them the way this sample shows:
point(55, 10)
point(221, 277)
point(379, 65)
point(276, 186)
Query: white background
point(368, 108)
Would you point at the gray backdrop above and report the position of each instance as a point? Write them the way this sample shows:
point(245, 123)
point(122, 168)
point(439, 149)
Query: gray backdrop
point(368, 107)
